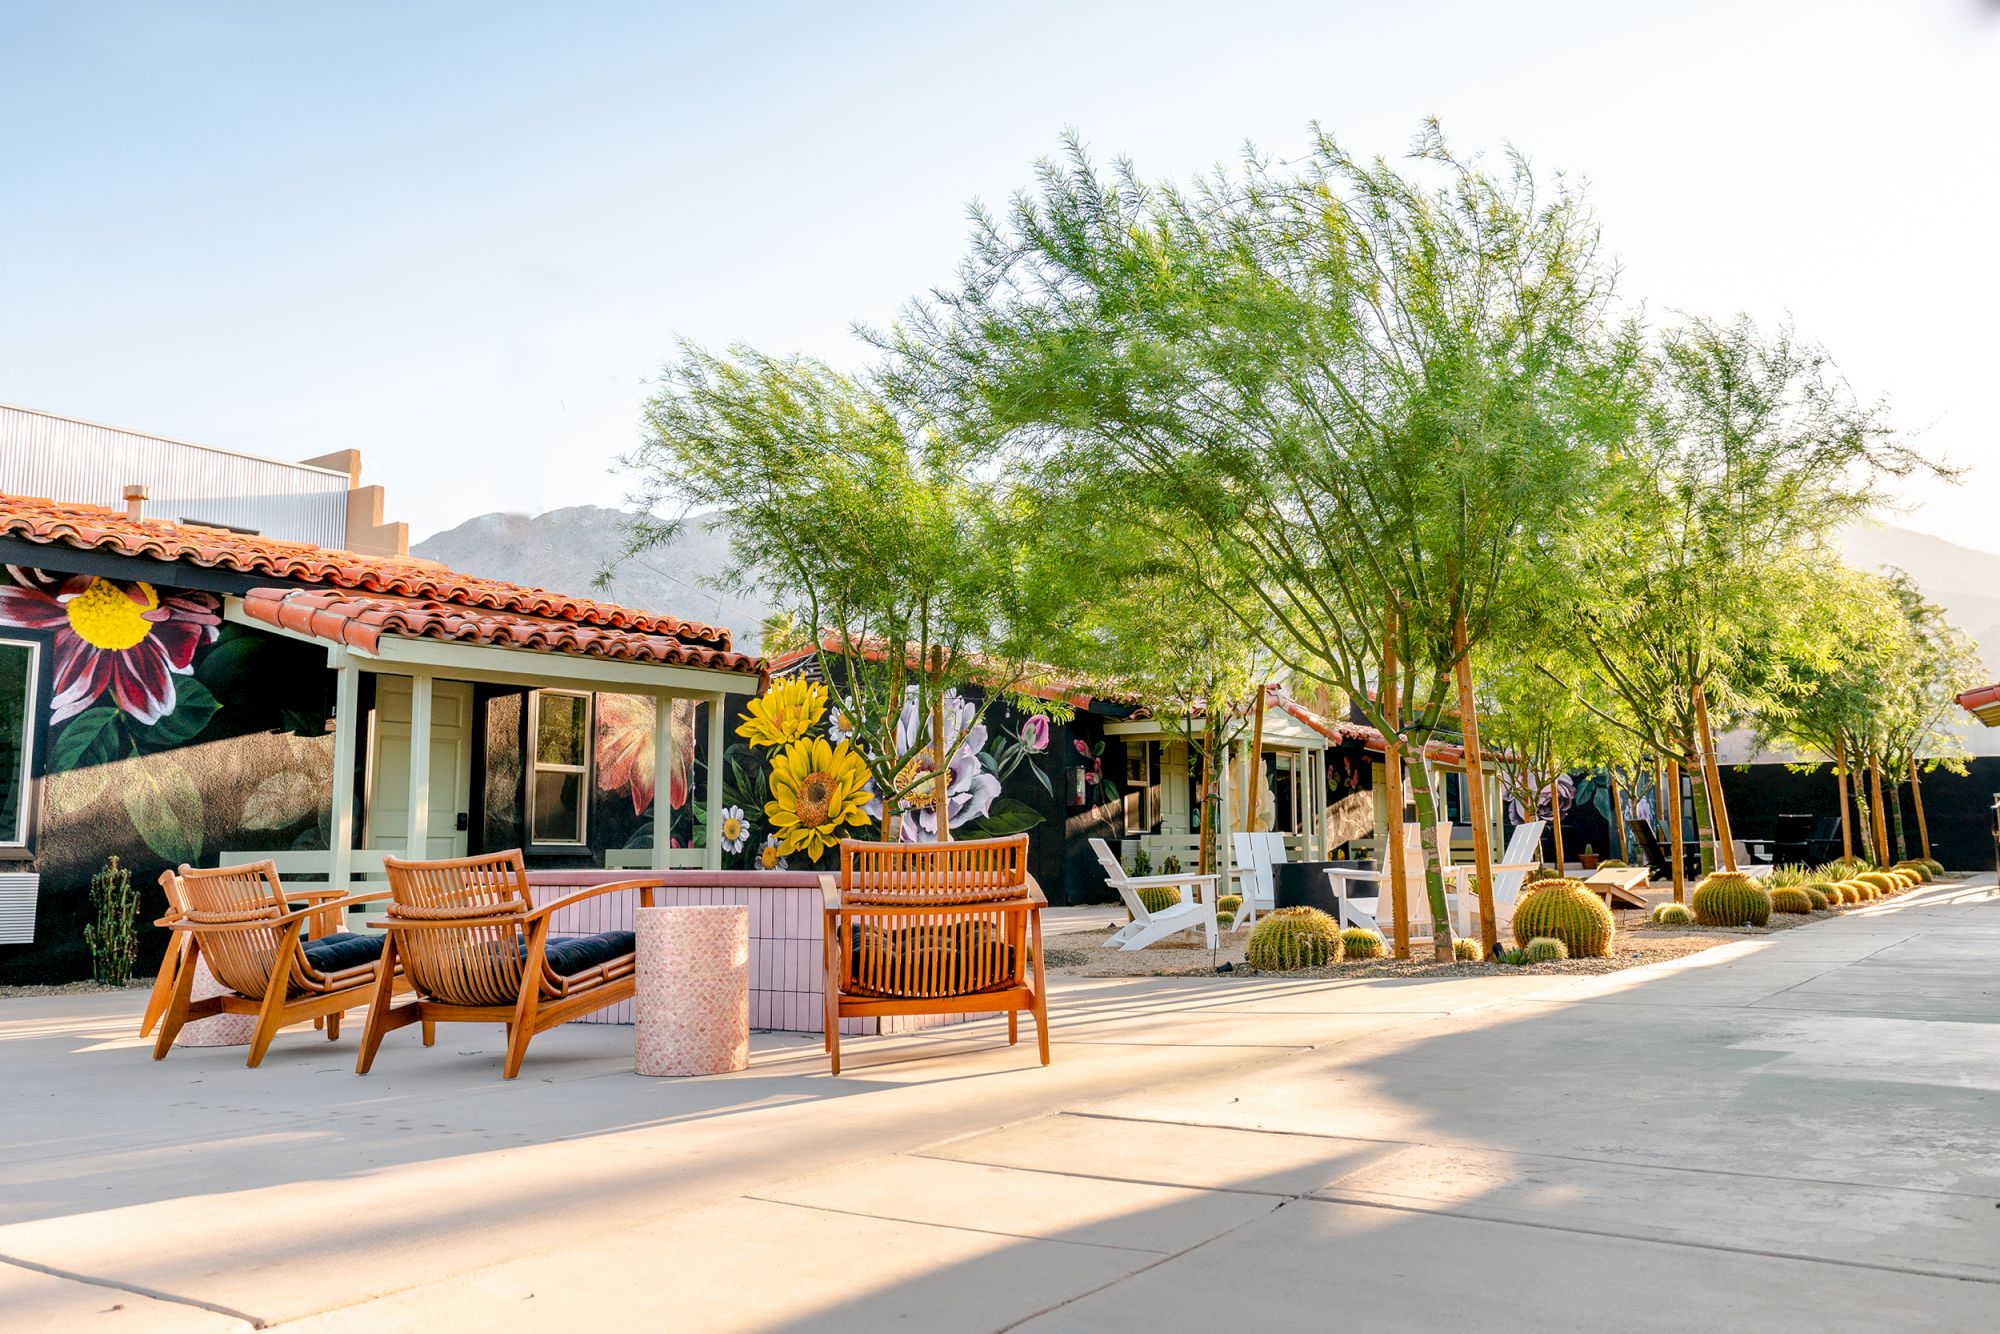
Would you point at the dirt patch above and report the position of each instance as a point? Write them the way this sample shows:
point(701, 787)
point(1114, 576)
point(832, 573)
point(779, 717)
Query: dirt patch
point(1636, 943)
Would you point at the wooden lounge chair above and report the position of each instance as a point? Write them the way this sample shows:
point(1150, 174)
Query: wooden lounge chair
point(1620, 886)
point(1194, 912)
point(475, 949)
point(933, 928)
point(279, 962)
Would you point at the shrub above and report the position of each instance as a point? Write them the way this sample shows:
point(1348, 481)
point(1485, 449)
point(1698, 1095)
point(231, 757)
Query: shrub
point(1171, 866)
point(1142, 863)
point(1564, 910)
point(1673, 914)
point(1613, 864)
point(113, 935)
point(1158, 898)
point(1817, 893)
point(1791, 876)
point(1515, 957)
point(1730, 898)
point(1845, 868)
point(1790, 900)
point(1544, 949)
point(1467, 950)
point(1294, 938)
point(1358, 942)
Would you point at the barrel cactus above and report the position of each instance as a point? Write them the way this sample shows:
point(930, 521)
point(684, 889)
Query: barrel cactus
point(1881, 881)
point(1564, 910)
point(1540, 874)
point(1229, 903)
point(1544, 949)
point(1467, 950)
point(1294, 938)
point(1817, 893)
point(1852, 891)
point(1730, 898)
point(1937, 867)
point(1673, 914)
point(1790, 901)
point(1358, 942)
point(1158, 898)
point(1922, 872)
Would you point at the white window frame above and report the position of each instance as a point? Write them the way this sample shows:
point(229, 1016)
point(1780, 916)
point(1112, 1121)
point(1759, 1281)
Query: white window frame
point(25, 812)
point(537, 767)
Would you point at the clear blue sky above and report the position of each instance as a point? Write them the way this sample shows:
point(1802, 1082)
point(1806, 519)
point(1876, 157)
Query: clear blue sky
point(461, 237)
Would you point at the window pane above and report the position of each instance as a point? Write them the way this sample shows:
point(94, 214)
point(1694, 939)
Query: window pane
point(16, 663)
point(564, 724)
point(558, 808)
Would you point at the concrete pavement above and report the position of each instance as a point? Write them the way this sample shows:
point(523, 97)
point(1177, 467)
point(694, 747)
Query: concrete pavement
point(1795, 1132)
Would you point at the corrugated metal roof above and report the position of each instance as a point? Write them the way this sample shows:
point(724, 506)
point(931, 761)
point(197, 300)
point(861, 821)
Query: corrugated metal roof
point(62, 458)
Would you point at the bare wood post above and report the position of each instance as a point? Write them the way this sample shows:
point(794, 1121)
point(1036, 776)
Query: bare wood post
point(1475, 789)
point(1617, 811)
point(1556, 820)
point(1882, 853)
point(1846, 818)
point(664, 759)
point(711, 856)
point(1725, 845)
point(1672, 796)
point(1256, 775)
point(1392, 773)
point(940, 764)
point(1917, 795)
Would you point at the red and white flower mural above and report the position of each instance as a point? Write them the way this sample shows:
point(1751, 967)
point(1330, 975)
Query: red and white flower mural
point(111, 637)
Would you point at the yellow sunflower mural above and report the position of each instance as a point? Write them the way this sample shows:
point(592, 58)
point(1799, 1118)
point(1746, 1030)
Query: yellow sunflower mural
point(784, 713)
point(816, 790)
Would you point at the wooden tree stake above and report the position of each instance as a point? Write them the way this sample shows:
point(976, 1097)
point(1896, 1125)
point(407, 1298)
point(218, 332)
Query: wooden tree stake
point(1917, 795)
point(1846, 821)
point(1392, 773)
point(1882, 853)
point(1475, 784)
point(1725, 845)
point(1672, 796)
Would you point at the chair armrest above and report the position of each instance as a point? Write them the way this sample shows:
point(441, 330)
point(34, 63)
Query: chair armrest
point(426, 924)
point(640, 882)
point(180, 923)
point(829, 891)
point(1154, 881)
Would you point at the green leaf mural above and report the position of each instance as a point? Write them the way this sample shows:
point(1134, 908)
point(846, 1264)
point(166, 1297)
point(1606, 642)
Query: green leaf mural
point(94, 737)
point(194, 706)
point(280, 801)
point(165, 807)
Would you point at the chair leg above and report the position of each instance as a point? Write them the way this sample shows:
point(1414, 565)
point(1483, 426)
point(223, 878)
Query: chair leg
point(333, 1027)
point(270, 1018)
point(430, 1032)
point(522, 1030)
point(377, 1023)
point(162, 994)
point(1013, 1027)
point(176, 1013)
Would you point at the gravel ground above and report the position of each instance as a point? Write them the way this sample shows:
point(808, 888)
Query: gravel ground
point(70, 988)
point(1636, 942)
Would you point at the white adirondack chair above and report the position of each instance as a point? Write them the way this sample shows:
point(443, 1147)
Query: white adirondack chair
point(1195, 910)
point(1462, 899)
point(1375, 913)
point(1257, 859)
point(1523, 854)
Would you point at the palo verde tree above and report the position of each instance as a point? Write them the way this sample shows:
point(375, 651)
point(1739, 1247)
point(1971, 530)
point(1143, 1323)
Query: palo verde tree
point(874, 538)
point(1750, 452)
point(1360, 390)
point(1537, 729)
point(1935, 664)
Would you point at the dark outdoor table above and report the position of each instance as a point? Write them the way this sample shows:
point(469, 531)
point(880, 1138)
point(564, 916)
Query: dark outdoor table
point(1305, 885)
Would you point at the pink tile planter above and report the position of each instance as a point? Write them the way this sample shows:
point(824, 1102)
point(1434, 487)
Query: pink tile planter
point(786, 991)
point(218, 1030)
point(691, 1006)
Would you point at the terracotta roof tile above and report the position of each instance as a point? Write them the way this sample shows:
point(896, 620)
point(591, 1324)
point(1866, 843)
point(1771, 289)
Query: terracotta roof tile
point(361, 620)
point(95, 528)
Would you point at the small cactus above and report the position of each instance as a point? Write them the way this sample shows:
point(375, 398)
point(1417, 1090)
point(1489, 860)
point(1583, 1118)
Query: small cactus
point(1467, 950)
point(1539, 874)
point(1881, 881)
point(1790, 901)
point(1358, 942)
point(113, 937)
point(1171, 866)
point(1673, 914)
point(1159, 898)
point(1923, 872)
point(1544, 949)
point(1817, 893)
point(1229, 903)
point(1613, 864)
point(1564, 910)
point(1730, 898)
point(1294, 938)
point(1937, 867)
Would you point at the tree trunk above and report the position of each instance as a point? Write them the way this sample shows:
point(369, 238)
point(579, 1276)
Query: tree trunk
point(1204, 859)
point(1897, 842)
point(1556, 822)
point(1392, 773)
point(1864, 816)
point(1846, 819)
point(1426, 804)
point(1725, 842)
point(1256, 765)
point(1672, 796)
point(1704, 818)
point(1917, 797)
point(1475, 786)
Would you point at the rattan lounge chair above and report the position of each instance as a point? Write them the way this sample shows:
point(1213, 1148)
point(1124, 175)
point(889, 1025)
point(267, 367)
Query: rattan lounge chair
point(934, 928)
point(279, 962)
point(474, 948)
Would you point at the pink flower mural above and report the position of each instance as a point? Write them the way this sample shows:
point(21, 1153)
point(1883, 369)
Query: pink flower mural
point(625, 749)
point(111, 637)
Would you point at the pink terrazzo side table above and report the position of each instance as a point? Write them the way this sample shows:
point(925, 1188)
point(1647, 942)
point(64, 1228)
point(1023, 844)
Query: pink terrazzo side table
point(219, 1030)
point(691, 1001)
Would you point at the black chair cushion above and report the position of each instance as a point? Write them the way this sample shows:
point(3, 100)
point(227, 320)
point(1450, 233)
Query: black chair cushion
point(574, 954)
point(341, 951)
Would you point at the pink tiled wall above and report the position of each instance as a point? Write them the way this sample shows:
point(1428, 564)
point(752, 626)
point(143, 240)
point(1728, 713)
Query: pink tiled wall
point(786, 987)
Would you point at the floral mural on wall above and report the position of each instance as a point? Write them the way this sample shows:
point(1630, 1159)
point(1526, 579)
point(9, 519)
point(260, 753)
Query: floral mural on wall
point(794, 782)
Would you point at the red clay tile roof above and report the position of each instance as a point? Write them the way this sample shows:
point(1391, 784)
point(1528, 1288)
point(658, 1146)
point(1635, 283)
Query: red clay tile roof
point(360, 620)
point(94, 528)
point(1983, 703)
